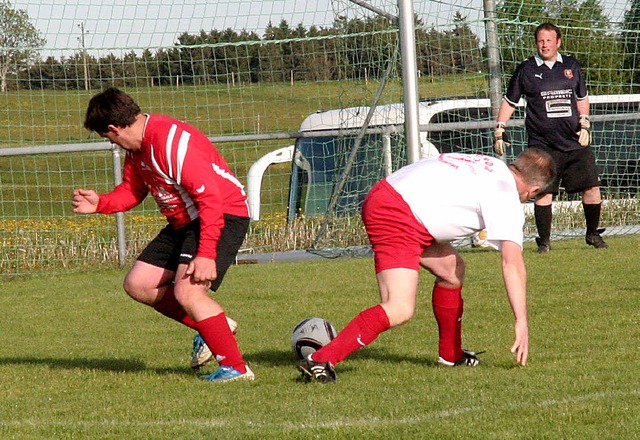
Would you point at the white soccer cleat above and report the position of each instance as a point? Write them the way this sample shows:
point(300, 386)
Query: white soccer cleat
point(469, 359)
point(201, 354)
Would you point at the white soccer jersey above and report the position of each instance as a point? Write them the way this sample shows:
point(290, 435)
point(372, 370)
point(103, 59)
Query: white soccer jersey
point(455, 195)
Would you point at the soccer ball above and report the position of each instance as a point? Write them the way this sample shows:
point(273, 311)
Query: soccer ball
point(479, 239)
point(310, 335)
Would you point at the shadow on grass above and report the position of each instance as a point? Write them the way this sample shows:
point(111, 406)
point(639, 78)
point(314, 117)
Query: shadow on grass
point(276, 358)
point(287, 358)
point(113, 365)
point(383, 355)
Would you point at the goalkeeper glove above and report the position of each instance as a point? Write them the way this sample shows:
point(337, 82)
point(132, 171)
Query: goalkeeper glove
point(584, 135)
point(500, 139)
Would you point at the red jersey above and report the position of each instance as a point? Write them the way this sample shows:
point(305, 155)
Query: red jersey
point(187, 177)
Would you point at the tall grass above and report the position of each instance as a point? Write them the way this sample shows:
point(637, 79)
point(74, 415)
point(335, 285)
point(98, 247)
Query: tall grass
point(79, 242)
point(79, 360)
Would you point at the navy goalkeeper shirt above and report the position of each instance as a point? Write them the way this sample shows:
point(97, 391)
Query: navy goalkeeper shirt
point(551, 95)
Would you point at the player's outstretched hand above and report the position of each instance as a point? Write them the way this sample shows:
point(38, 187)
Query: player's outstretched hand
point(521, 345)
point(584, 135)
point(500, 139)
point(85, 201)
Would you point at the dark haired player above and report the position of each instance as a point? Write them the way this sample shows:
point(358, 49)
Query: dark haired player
point(411, 217)
point(204, 204)
point(557, 121)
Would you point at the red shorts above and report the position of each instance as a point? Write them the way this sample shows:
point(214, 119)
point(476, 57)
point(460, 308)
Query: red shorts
point(397, 237)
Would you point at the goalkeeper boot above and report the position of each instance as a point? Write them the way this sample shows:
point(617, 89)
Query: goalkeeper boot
point(543, 245)
point(227, 374)
point(596, 240)
point(469, 358)
point(322, 372)
point(201, 354)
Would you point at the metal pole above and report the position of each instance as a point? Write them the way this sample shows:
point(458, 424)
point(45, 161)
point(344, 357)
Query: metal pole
point(84, 56)
point(493, 54)
point(120, 229)
point(387, 160)
point(409, 79)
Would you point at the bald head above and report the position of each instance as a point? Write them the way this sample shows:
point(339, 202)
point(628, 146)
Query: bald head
point(535, 167)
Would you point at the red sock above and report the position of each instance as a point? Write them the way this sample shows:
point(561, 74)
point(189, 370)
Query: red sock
point(170, 307)
point(216, 333)
point(448, 308)
point(361, 331)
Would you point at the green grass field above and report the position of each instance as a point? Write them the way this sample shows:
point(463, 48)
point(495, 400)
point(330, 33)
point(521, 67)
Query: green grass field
point(37, 117)
point(81, 360)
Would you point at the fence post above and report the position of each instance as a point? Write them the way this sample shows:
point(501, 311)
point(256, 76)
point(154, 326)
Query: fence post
point(493, 54)
point(117, 179)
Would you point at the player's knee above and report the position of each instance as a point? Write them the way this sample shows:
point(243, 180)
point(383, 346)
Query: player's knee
point(460, 269)
point(129, 286)
point(453, 277)
point(399, 313)
point(181, 296)
point(187, 295)
point(137, 291)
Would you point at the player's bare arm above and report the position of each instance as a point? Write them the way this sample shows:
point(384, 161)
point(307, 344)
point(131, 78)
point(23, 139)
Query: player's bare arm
point(85, 201)
point(583, 106)
point(515, 279)
point(506, 111)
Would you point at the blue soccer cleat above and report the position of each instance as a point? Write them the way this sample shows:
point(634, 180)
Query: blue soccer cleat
point(227, 374)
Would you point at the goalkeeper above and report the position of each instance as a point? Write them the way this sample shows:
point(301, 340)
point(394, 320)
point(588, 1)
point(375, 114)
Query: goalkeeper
point(557, 121)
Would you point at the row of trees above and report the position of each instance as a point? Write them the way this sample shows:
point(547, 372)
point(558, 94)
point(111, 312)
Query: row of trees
point(349, 49)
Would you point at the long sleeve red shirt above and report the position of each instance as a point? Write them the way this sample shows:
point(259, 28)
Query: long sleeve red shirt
point(187, 177)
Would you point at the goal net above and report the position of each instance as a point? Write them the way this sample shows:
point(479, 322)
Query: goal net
point(316, 85)
point(462, 120)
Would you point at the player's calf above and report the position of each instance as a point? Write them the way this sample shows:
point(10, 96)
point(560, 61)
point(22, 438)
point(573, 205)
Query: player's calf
point(200, 354)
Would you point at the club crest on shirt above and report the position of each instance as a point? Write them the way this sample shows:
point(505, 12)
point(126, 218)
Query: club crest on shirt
point(568, 73)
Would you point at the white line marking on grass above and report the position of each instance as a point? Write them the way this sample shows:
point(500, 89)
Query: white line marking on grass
point(345, 423)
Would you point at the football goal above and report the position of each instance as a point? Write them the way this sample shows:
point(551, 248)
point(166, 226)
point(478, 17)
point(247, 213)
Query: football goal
point(325, 186)
point(304, 99)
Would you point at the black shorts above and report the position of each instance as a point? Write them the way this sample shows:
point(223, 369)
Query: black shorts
point(576, 169)
point(172, 247)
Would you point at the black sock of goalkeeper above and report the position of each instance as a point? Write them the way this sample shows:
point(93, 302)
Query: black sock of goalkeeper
point(543, 216)
point(592, 216)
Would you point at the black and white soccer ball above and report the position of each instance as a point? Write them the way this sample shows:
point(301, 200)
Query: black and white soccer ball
point(310, 335)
